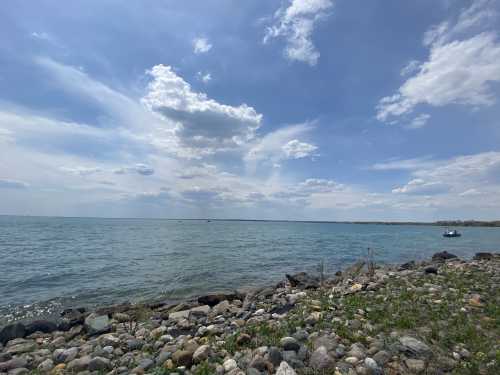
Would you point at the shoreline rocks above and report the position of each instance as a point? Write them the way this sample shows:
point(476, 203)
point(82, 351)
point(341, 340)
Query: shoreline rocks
point(414, 318)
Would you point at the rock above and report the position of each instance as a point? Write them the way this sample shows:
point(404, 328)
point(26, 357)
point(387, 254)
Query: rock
point(372, 365)
point(321, 360)
point(11, 332)
point(274, 356)
point(46, 365)
point(44, 326)
point(382, 357)
point(443, 256)
point(97, 324)
point(289, 343)
point(357, 351)
point(431, 270)
point(243, 339)
point(74, 316)
point(328, 342)
point(12, 364)
point(258, 363)
point(314, 318)
point(229, 365)
point(109, 340)
point(22, 347)
point(213, 299)
point(121, 317)
point(64, 355)
point(201, 354)
point(407, 266)
point(99, 364)
point(356, 288)
point(146, 364)
point(19, 371)
point(253, 371)
point(414, 347)
point(483, 256)
point(303, 280)
point(134, 344)
point(200, 310)
point(4, 357)
point(285, 369)
point(415, 365)
point(79, 364)
point(221, 307)
point(179, 315)
point(183, 358)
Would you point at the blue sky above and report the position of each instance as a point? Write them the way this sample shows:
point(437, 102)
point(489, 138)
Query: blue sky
point(303, 109)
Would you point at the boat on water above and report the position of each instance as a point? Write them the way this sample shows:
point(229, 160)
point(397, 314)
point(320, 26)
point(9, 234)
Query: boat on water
point(451, 233)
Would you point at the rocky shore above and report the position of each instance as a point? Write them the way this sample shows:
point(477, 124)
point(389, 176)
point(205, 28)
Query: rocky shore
point(440, 316)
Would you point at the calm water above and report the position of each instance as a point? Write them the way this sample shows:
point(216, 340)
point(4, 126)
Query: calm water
point(46, 263)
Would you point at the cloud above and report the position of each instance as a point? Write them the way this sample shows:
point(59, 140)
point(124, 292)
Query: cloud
point(464, 61)
point(280, 145)
point(410, 68)
point(82, 171)
point(296, 24)
point(203, 125)
point(201, 45)
point(297, 150)
point(419, 186)
point(402, 164)
point(12, 184)
point(420, 121)
point(204, 77)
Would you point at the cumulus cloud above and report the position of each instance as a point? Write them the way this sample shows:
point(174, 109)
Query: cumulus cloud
point(295, 23)
point(201, 45)
point(204, 77)
point(202, 124)
point(419, 186)
point(12, 184)
point(297, 150)
point(463, 63)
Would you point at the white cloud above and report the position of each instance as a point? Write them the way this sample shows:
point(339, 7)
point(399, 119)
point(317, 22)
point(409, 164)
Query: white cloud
point(297, 150)
point(203, 125)
point(201, 45)
point(296, 24)
point(419, 186)
point(402, 164)
point(463, 63)
point(82, 171)
point(420, 121)
point(410, 68)
point(204, 77)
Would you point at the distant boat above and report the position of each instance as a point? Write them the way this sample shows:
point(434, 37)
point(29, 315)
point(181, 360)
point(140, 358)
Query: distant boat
point(451, 233)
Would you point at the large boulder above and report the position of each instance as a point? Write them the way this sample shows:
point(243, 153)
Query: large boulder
point(303, 280)
point(414, 347)
point(483, 256)
point(11, 332)
point(216, 298)
point(443, 256)
point(44, 326)
point(320, 360)
point(97, 324)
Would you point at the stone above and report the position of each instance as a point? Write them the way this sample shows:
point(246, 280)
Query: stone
point(74, 316)
point(243, 339)
point(357, 351)
point(431, 270)
point(289, 343)
point(109, 340)
point(351, 360)
point(11, 332)
point(99, 364)
point(221, 307)
point(321, 360)
point(200, 310)
point(19, 371)
point(146, 364)
point(355, 288)
point(44, 326)
point(97, 324)
point(213, 299)
point(382, 357)
point(121, 317)
point(64, 355)
point(314, 318)
point(407, 266)
point(183, 358)
point(414, 347)
point(483, 256)
point(274, 356)
point(258, 363)
point(253, 371)
point(22, 347)
point(179, 315)
point(12, 364)
point(303, 281)
point(201, 354)
point(328, 342)
point(372, 365)
point(162, 358)
point(443, 256)
point(229, 365)
point(79, 364)
point(46, 365)
point(285, 369)
point(415, 365)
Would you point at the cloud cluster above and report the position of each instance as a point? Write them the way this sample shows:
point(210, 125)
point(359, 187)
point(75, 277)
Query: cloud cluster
point(201, 45)
point(296, 23)
point(464, 62)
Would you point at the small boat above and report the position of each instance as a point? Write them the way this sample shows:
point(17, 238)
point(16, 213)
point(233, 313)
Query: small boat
point(451, 233)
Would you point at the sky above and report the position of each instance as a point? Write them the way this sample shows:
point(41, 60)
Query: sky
point(251, 109)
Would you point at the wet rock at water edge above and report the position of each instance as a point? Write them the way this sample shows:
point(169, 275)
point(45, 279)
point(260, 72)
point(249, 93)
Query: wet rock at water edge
point(443, 256)
point(12, 331)
point(303, 280)
point(483, 256)
point(431, 270)
point(97, 324)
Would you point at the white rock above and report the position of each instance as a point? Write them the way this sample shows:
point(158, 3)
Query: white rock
point(229, 365)
point(285, 369)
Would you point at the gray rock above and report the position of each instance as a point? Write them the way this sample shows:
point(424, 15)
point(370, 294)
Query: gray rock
point(357, 351)
point(201, 354)
point(483, 256)
point(79, 364)
point(146, 364)
point(97, 324)
point(253, 371)
point(431, 270)
point(121, 317)
point(303, 280)
point(274, 356)
point(46, 365)
point(415, 365)
point(162, 358)
point(23, 347)
point(321, 360)
point(259, 363)
point(12, 364)
point(443, 256)
point(19, 371)
point(134, 344)
point(285, 369)
point(44, 326)
point(11, 332)
point(99, 364)
point(414, 347)
point(382, 357)
point(4, 357)
point(64, 355)
point(328, 342)
point(289, 343)
point(372, 365)
point(229, 365)
point(183, 358)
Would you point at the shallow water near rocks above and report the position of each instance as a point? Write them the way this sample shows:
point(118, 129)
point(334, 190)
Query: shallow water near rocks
point(50, 263)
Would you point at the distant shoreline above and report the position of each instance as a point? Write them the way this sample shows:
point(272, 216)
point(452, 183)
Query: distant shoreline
point(441, 223)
